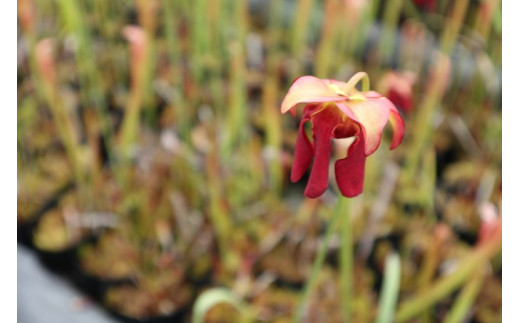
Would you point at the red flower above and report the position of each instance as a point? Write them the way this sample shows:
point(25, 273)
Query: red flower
point(398, 88)
point(337, 110)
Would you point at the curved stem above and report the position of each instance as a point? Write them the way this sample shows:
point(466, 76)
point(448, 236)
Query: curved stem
point(351, 84)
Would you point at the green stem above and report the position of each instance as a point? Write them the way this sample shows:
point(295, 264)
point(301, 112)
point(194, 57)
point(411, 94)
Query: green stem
point(171, 23)
point(318, 263)
point(424, 122)
point(299, 32)
point(88, 75)
point(326, 50)
point(453, 26)
point(390, 291)
point(390, 20)
point(466, 299)
point(346, 258)
point(273, 128)
point(220, 217)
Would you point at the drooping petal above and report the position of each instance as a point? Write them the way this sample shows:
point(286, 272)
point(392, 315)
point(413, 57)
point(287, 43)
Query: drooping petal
point(323, 126)
point(309, 89)
point(303, 154)
point(395, 117)
point(319, 178)
point(372, 114)
point(397, 127)
point(350, 171)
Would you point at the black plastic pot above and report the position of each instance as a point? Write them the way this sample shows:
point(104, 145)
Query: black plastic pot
point(59, 261)
point(180, 316)
point(92, 285)
point(65, 260)
point(25, 229)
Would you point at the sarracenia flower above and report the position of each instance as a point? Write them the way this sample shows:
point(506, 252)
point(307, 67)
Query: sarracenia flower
point(338, 110)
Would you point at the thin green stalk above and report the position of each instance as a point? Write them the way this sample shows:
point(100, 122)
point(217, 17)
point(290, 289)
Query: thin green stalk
point(467, 297)
point(216, 16)
point(299, 33)
point(324, 55)
point(446, 285)
point(453, 26)
point(388, 35)
point(346, 258)
point(171, 24)
point(237, 115)
point(147, 19)
point(299, 28)
point(424, 122)
point(199, 41)
point(219, 216)
point(88, 73)
point(273, 128)
point(45, 76)
point(390, 292)
point(48, 91)
point(274, 33)
point(130, 125)
point(374, 8)
point(318, 263)
point(67, 134)
point(272, 120)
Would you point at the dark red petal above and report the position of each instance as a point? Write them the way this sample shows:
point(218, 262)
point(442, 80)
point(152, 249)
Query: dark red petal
point(398, 128)
point(350, 171)
point(319, 178)
point(303, 153)
point(324, 123)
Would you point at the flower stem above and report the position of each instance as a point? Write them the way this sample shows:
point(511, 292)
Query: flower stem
point(318, 263)
point(346, 258)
